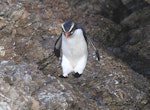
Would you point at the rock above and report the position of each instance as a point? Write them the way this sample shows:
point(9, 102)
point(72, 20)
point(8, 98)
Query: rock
point(135, 51)
point(135, 5)
point(129, 38)
point(137, 18)
point(138, 49)
point(4, 106)
point(29, 70)
point(148, 1)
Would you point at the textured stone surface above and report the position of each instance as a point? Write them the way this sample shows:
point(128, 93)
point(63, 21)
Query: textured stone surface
point(29, 70)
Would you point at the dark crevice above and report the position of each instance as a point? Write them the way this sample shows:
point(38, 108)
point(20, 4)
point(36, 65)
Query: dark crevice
point(120, 11)
point(119, 42)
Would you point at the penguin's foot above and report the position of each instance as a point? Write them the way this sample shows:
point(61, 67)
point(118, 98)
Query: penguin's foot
point(61, 76)
point(77, 75)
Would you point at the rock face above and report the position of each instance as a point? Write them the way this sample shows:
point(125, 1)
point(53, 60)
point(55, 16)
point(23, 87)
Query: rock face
point(29, 70)
point(138, 44)
point(132, 43)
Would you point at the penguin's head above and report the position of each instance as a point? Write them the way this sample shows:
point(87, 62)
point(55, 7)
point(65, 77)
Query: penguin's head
point(68, 28)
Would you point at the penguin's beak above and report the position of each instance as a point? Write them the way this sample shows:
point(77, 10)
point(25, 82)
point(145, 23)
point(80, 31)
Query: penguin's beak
point(67, 34)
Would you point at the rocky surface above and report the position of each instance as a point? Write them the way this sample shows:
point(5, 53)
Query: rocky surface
point(29, 70)
point(132, 43)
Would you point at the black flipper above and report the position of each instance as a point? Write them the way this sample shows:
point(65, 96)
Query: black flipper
point(97, 55)
point(85, 37)
point(57, 46)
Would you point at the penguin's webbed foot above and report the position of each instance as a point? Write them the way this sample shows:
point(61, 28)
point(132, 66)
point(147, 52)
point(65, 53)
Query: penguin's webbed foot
point(61, 76)
point(77, 75)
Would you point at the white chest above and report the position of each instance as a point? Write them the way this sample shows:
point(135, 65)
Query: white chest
point(75, 46)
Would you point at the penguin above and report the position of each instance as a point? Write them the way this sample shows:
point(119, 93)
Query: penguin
point(74, 46)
